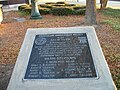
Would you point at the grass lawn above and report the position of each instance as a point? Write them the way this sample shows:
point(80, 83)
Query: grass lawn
point(12, 34)
point(114, 17)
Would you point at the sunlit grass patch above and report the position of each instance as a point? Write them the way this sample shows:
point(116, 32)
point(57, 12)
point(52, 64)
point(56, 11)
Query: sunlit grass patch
point(113, 17)
point(115, 23)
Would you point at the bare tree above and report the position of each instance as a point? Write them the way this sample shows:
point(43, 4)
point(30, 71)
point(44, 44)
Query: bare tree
point(103, 4)
point(90, 16)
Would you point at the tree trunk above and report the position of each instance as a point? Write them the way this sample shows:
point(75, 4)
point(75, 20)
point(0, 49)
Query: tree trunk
point(103, 4)
point(90, 16)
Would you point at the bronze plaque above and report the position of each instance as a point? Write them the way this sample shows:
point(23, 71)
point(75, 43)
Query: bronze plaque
point(57, 56)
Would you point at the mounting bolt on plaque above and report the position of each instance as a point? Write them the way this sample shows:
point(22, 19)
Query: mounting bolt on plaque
point(34, 11)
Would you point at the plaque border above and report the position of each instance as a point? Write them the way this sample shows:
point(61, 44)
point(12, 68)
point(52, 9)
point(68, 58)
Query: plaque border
point(97, 77)
point(94, 62)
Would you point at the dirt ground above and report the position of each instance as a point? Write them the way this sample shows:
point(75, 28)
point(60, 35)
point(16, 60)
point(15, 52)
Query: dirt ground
point(12, 33)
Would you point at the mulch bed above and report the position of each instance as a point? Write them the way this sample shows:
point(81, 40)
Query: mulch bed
point(12, 34)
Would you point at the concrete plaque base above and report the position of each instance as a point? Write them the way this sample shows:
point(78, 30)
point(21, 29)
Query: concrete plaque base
point(41, 75)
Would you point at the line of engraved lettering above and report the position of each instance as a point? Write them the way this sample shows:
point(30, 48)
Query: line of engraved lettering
point(33, 70)
point(48, 65)
point(49, 58)
point(47, 55)
point(32, 76)
point(60, 52)
point(31, 73)
point(73, 75)
point(34, 67)
point(69, 61)
point(52, 61)
point(49, 72)
point(71, 64)
point(60, 61)
point(47, 76)
point(46, 70)
point(51, 67)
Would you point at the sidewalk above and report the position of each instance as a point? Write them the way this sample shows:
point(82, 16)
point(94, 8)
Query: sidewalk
point(112, 4)
point(14, 7)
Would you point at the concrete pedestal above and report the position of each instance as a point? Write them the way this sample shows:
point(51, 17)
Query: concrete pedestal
point(35, 12)
point(103, 80)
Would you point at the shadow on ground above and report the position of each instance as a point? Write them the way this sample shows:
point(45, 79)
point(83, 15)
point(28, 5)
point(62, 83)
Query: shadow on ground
point(5, 74)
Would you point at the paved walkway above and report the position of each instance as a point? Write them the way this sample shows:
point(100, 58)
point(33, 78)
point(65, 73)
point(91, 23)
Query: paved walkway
point(114, 4)
point(11, 7)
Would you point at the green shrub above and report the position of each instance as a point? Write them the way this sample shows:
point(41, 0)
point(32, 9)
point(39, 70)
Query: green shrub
point(61, 3)
point(44, 11)
point(45, 6)
point(83, 7)
point(49, 6)
point(79, 7)
point(22, 7)
point(70, 4)
point(50, 3)
point(22, 13)
point(79, 12)
point(56, 9)
point(62, 11)
point(27, 10)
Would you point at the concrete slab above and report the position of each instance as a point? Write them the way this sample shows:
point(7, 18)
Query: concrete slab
point(102, 82)
point(18, 19)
